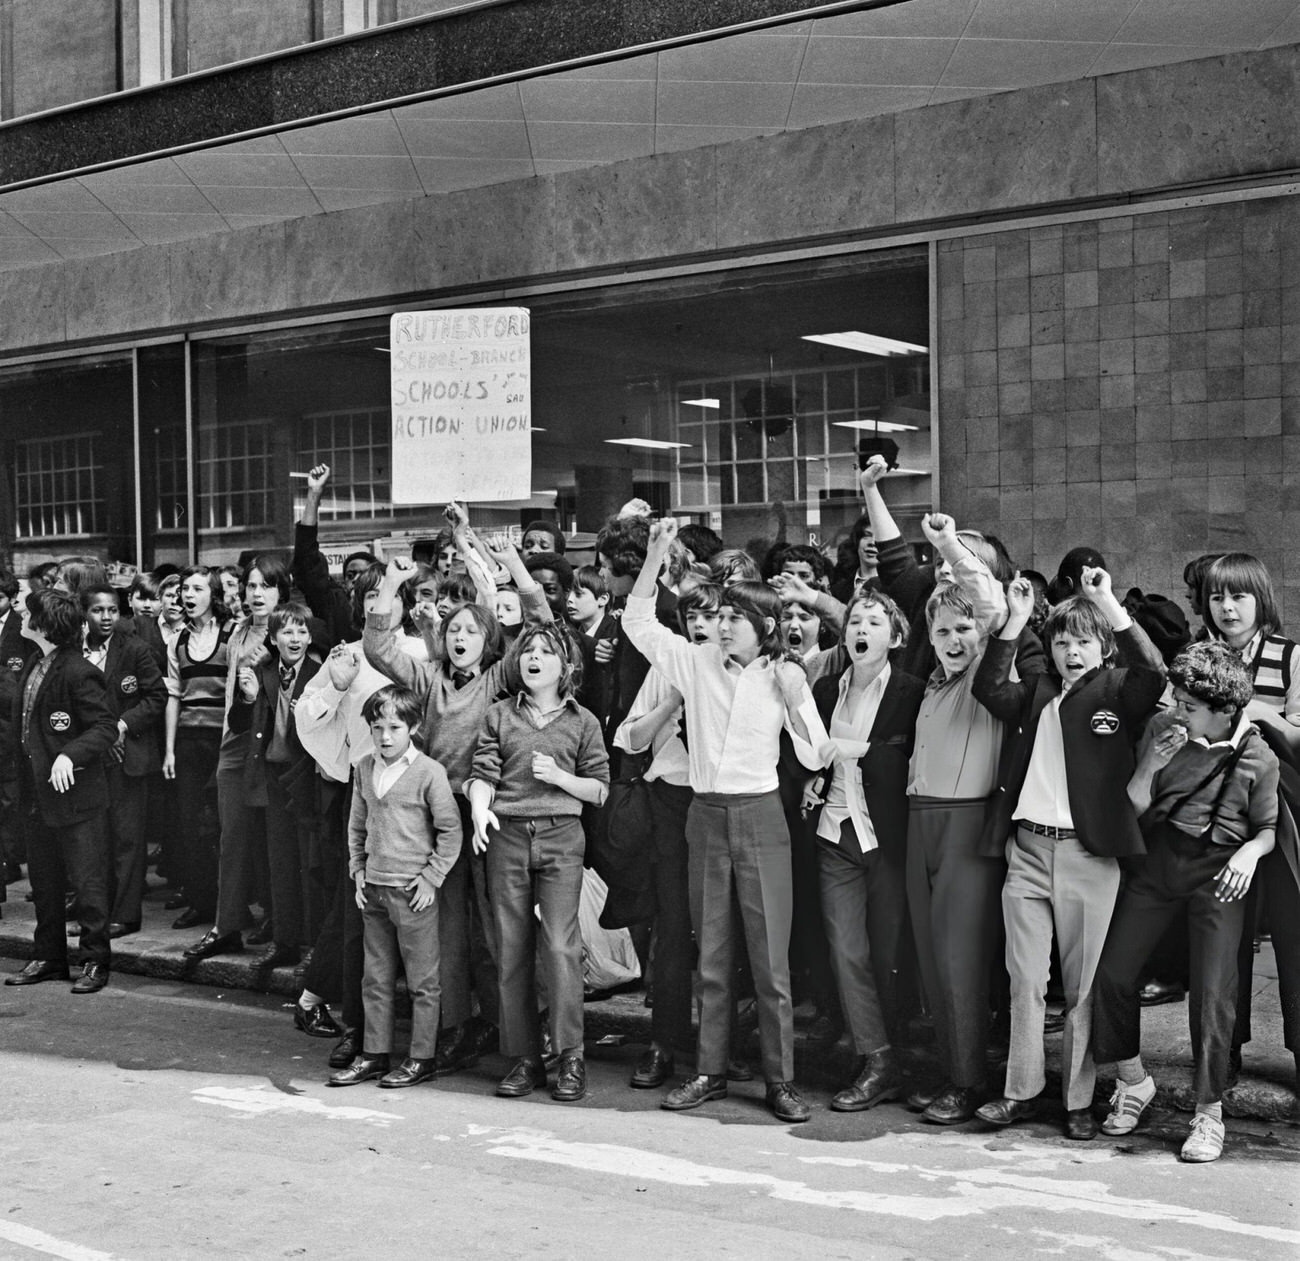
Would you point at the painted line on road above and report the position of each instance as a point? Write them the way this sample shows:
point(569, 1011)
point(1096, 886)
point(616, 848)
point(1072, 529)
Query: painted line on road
point(258, 1100)
point(39, 1241)
point(974, 1192)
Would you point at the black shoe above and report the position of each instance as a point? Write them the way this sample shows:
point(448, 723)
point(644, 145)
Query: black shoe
point(571, 1081)
point(652, 1070)
point(263, 934)
point(39, 970)
point(346, 1049)
point(93, 978)
point(276, 957)
point(693, 1092)
point(1007, 1111)
point(410, 1072)
point(921, 1099)
point(483, 1035)
point(525, 1076)
point(878, 1080)
point(315, 1022)
point(456, 1050)
point(825, 1030)
point(363, 1068)
point(1157, 993)
point(154, 856)
point(738, 1070)
point(786, 1104)
point(215, 942)
point(954, 1106)
point(1080, 1125)
point(176, 901)
point(123, 930)
point(192, 917)
point(13, 873)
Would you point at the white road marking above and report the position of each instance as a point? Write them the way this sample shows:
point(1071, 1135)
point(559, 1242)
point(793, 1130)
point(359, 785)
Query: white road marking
point(262, 1099)
point(1113, 1251)
point(39, 1241)
point(973, 1192)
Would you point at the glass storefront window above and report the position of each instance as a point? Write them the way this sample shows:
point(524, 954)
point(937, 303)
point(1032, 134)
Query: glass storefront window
point(741, 400)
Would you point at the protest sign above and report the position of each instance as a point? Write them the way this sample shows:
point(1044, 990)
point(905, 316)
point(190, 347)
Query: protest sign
point(461, 405)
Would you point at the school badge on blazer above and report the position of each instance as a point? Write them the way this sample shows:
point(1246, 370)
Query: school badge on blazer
point(15, 664)
point(1105, 722)
point(60, 721)
point(129, 684)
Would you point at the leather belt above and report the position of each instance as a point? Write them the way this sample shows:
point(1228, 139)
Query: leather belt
point(1052, 834)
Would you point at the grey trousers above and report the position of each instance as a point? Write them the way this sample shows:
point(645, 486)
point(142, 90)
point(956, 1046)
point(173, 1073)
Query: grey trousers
point(954, 896)
point(394, 932)
point(1054, 886)
point(740, 845)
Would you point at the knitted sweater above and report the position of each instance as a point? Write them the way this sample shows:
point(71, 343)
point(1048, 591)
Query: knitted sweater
point(413, 830)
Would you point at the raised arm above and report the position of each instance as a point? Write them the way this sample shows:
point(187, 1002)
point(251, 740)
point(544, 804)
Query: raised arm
point(379, 641)
point(970, 573)
point(993, 686)
point(670, 653)
point(904, 580)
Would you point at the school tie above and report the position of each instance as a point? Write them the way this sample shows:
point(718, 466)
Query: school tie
point(286, 677)
point(459, 678)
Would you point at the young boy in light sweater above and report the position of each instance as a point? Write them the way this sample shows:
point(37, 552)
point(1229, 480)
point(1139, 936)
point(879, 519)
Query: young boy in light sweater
point(404, 836)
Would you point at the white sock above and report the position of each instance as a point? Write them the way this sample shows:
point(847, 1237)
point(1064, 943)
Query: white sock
point(1214, 1110)
point(1131, 1072)
point(307, 1000)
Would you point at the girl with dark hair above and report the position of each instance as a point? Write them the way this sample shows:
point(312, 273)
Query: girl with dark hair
point(540, 758)
point(198, 662)
point(739, 695)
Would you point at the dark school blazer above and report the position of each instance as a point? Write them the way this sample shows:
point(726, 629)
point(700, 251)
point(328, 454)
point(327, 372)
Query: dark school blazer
point(1101, 719)
point(137, 696)
point(70, 715)
point(885, 766)
point(258, 718)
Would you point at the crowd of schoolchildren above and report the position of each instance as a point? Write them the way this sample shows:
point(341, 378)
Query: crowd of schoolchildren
point(879, 786)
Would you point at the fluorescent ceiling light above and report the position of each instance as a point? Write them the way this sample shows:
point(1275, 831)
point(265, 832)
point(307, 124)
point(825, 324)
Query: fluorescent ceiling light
point(649, 444)
point(702, 402)
point(875, 426)
point(867, 343)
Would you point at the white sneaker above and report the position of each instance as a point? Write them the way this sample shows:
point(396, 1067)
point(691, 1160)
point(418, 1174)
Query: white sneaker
point(1205, 1142)
point(1127, 1105)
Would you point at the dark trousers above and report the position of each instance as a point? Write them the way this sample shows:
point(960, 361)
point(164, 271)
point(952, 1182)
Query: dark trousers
point(393, 933)
point(864, 908)
point(811, 970)
point(324, 975)
point(1274, 890)
point(127, 802)
point(13, 828)
point(296, 898)
point(670, 1017)
point(73, 856)
point(468, 936)
point(1179, 871)
point(343, 922)
point(739, 846)
point(198, 831)
point(243, 834)
point(955, 898)
point(538, 862)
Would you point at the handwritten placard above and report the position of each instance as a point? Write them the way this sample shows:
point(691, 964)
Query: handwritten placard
point(461, 405)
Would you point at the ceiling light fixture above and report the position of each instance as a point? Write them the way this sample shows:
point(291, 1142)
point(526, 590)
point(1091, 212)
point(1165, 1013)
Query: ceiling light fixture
point(649, 444)
point(875, 426)
point(702, 402)
point(867, 343)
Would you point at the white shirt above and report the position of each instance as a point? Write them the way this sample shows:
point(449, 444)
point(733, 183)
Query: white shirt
point(670, 762)
point(386, 775)
point(734, 713)
point(1045, 796)
point(846, 798)
point(329, 722)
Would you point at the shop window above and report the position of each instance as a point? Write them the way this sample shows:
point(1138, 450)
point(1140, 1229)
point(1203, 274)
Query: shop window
point(355, 444)
point(56, 490)
point(235, 475)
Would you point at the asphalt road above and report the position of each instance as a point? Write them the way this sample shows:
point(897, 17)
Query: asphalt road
point(162, 1120)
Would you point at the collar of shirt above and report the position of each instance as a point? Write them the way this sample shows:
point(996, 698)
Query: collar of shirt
point(523, 700)
point(386, 774)
point(1249, 649)
point(875, 688)
point(1234, 740)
